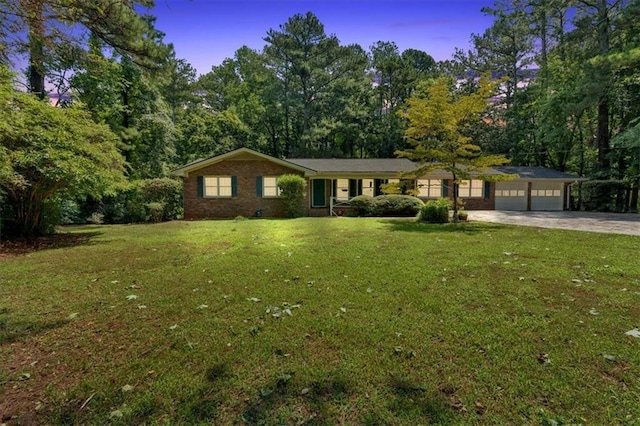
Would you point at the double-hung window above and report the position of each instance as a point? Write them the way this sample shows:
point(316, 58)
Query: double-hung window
point(270, 186)
point(430, 188)
point(217, 186)
point(470, 188)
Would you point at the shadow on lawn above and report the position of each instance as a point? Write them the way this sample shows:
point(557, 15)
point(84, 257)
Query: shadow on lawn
point(20, 246)
point(12, 331)
point(433, 228)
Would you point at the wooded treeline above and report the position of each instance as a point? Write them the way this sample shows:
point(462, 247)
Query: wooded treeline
point(569, 98)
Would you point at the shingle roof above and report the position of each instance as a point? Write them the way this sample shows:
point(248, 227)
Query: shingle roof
point(529, 172)
point(355, 165)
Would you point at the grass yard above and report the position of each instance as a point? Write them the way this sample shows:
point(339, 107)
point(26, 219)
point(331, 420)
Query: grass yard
point(322, 321)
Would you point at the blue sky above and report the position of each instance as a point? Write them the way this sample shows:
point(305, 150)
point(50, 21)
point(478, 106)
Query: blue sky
point(205, 32)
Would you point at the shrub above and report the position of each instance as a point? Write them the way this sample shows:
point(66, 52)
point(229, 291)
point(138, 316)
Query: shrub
point(361, 205)
point(396, 205)
point(292, 190)
point(140, 201)
point(436, 211)
point(156, 211)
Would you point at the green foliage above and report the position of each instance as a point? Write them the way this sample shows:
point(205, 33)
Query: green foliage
point(395, 205)
point(439, 121)
point(144, 200)
point(361, 205)
point(50, 154)
point(604, 195)
point(155, 211)
point(292, 190)
point(436, 211)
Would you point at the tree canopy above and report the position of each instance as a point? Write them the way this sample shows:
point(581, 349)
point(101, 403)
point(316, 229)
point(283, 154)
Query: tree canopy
point(49, 154)
point(439, 121)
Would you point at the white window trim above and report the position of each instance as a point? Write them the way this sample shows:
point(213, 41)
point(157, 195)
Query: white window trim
point(429, 188)
point(469, 188)
point(208, 182)
point(265, 186)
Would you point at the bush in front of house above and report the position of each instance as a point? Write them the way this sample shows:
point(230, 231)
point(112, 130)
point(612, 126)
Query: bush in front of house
point(436, 211)
point(396, 205)
point(361, 205)
point(292, 190)
point(147, 200)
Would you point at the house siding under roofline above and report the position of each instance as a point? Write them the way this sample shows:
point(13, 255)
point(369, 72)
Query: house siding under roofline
point(242, 183)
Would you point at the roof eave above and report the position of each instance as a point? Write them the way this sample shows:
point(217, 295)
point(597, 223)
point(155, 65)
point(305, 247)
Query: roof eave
point(185, 170)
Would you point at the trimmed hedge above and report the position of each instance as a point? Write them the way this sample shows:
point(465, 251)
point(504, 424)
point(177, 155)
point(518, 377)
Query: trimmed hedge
point(292, 190)
point(361, 205)
point(386, 205)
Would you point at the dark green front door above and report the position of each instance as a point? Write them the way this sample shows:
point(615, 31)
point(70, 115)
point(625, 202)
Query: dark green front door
point(319, 193)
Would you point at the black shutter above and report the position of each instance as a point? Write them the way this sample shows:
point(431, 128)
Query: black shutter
point(200, 186)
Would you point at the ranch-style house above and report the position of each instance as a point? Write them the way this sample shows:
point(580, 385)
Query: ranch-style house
point(243, 183)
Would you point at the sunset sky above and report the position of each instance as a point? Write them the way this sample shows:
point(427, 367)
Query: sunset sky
point(205, 32)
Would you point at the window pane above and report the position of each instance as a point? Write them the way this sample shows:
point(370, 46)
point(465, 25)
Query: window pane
point(217, 186)
point(342, 189)
point(435, 188)
point(423, 187)
point(270, 187)
point(367, 187)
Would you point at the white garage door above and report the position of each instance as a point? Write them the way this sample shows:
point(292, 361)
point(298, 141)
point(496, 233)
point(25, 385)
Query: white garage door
point(546, 196)
point(511, 196)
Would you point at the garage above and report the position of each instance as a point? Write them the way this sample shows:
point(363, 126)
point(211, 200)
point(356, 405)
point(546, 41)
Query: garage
point(511, 195)
point(547, 196)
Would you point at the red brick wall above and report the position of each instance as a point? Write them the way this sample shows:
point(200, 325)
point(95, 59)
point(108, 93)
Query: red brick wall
point(247, 201)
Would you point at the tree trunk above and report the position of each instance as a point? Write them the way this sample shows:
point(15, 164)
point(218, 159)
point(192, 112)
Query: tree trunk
point(633, 199)
point(35, 22)
point(603, 105)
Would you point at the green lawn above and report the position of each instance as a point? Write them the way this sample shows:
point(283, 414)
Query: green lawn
point(322, 321)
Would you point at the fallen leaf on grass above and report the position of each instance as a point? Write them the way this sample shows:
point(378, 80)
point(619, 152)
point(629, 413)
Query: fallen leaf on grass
point(73, 315)
point(253, 299)
point(126, 388)
point(173, 327)
point(203, 306)
point(594, 312)
point(633, 333)
point(609, 357)
point(132, 297)
point(116, 414)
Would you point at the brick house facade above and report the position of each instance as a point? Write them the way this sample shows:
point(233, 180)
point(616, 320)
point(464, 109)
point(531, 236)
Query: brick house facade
point(242, 183)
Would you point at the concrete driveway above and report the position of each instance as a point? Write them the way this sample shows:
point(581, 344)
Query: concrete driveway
point(613, 223)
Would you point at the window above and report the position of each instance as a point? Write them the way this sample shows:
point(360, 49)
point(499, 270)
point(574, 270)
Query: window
point(269, 187)
point(430, 188)
point(217, 186)
point(545, 193)
point(510, 193)
point(368, 187)
point(342, 189)
point(470, 189)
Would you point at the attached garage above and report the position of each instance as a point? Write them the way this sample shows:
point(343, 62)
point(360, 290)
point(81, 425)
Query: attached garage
point(547, 196)
point(511, 195)
point(535, 188)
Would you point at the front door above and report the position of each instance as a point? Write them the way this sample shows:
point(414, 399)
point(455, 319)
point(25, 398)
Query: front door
point(319, 196)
